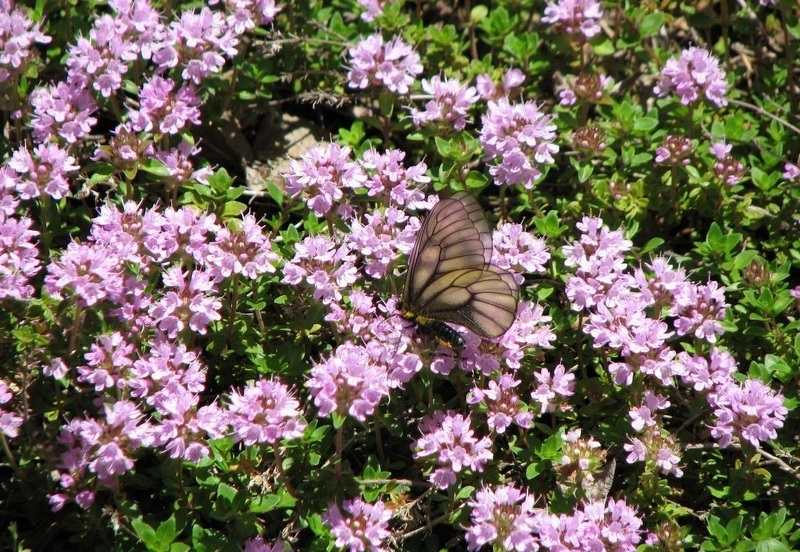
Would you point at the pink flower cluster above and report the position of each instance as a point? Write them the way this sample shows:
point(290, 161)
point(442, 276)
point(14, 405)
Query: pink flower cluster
point(19, 254)
point(506, 518)
point(393, 65)
point(638, 314)
point(574, 17)
point(449, 443)
point(197, 45)
point(358, 525)
point(518, 138)
point(450, 103)
point(18, 37)
point(692, 75)
point(350, 382)
point(265, 412)
point(147, 381)
point(9, 422)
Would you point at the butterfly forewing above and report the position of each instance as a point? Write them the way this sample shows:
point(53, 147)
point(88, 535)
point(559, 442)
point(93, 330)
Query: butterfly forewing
point(450, 275)
point(454, 235)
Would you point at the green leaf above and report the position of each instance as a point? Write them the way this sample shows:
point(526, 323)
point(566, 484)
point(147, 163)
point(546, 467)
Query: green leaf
point(645, 124)
point(651, 24)
point(651, 245)
point(145, 533)
point(275, 193)
point(772, 545)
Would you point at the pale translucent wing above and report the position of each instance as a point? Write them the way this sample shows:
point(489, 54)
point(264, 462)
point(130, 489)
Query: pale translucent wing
point(450, 276)
point(484, 300)
point(454, 236)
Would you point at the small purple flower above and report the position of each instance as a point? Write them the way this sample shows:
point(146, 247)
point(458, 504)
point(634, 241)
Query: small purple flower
point(574, 17)
point(246, 15)
point(706, 374)
point(18, 35)
point(265, 412)
point(246, 251)
point(488, 90)
point(518, 138)
point(586, 88)
point(729, 170)
point(374, 9)
point(196, 43)
point(62, 110)
point(553, 390)
point(791, 171)
point(394, 64)
point(502, 403)
point(518, 251)
point(188, 301)
point(694, 74)
point(321, 174)
point(699, 309)
point(348, 382)
point(450, 103)
point(674, 151)
point(449, 441)
point(9, 423)
point(750, 410)
point(390, 181)
point(643, 415)
point(385, 236)
point(89, 272)
point(178, 164)
point(323, 265)
point(359, 525)
point(258, 545)
point(505, 518)
point(109, 357)
point(19, 257)
point(100, 61)
point(594, 526)
point(164, 109)
point(43, 171)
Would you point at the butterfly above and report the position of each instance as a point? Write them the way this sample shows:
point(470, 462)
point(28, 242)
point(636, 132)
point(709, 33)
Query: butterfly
point(451, 277)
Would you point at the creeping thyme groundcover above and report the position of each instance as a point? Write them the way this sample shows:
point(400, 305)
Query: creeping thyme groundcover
point(206, 215)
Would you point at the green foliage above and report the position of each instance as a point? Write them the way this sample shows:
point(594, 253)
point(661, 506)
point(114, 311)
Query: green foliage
point(743, 235)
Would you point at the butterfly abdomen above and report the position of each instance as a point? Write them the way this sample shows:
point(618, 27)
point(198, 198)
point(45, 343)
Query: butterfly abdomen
point(430, 327)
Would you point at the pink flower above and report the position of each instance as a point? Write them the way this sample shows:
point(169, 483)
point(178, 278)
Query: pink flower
point(63, 110)
point(750, 410)
point(18, 36)
point(359, 525)
point(321, 174)
point(164, 109)
point(394, 64)
point(390, 181)
point(9, 423)
point(349, 382)
point(693, 74)
point(89, 272)
point(502, 403)
point(43, 171)
point(488, 90)
point(246, 251)
point(517, 138)
point(265, 412)
point(574, 16)
point(450, 103)
point(504, 518)
point(554, 389)
point(449, 442)
point(19, 257)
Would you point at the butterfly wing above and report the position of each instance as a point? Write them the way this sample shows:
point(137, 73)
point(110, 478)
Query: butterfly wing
point(450, 275)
